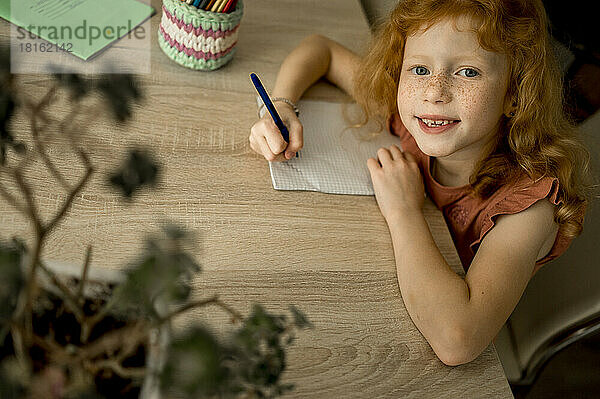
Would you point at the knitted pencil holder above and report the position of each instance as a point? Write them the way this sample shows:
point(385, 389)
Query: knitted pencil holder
point(198, 39)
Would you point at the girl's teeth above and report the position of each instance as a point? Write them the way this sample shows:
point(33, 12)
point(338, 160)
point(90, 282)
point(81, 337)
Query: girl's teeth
point(432, 123)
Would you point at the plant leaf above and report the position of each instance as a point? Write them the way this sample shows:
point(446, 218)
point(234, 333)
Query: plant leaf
point(137, 171)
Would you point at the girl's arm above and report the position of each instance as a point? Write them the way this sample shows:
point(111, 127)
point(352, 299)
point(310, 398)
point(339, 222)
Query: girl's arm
point(460, 318)
point(315, 57)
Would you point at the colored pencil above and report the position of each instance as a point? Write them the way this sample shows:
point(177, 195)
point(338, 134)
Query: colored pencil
point(228, 6)
point(209, 5)
point(271, 108)
point(215, 6)
point(222, 6)
point(233, 6)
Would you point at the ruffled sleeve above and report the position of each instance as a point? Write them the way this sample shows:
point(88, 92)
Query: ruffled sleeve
point(517, 199)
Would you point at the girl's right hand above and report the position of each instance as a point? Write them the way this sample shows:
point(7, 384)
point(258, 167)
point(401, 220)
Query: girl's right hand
point(266, 139)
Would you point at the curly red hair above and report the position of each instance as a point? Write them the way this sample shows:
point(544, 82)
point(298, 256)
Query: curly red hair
point(540, 139)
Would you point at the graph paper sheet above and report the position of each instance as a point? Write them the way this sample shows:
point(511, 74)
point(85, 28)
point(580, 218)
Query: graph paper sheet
point(334, 158)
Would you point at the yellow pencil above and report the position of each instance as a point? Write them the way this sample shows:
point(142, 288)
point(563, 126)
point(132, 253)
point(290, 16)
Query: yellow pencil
point(215, 6)
point(222, 6)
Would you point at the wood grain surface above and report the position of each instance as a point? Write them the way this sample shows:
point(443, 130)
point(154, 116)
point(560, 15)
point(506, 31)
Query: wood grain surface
point(330, 255)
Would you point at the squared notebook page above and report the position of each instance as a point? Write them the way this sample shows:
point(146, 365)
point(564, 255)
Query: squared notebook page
point(334, 158)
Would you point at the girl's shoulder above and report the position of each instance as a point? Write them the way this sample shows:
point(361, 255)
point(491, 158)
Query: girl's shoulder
point(523, 195)
point(518, 195)
point(525, 191)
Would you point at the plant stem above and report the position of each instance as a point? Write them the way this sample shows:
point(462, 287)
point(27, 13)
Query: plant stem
point(31, 207)
point(67, 296)
point(117, 368)
point(18, 345)
point(41, 149)
point(214, 300)
point(55, 352)
point(63, 210)
point(131, 334)
point(25, 300)
point(13, 201)
point(86, 265)
point(45, 101)
point(29, 292)
point(92, 114)
point(37, 112)
point(88, 325)
point(124, 340)
point(68, 120)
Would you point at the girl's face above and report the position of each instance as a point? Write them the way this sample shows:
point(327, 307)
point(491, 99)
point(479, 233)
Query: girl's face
point(451, 93)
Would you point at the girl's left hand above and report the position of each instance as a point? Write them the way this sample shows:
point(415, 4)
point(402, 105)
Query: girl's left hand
point(397, 182)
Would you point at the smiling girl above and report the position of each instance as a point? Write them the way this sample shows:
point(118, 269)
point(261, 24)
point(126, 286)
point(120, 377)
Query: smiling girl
point(473, 91)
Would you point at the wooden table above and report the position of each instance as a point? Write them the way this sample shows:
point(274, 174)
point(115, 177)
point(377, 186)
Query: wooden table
point(330, 255)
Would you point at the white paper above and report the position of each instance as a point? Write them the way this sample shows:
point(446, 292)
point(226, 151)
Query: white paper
point(334, 158)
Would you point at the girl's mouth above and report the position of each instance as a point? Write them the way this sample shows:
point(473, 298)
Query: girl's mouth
point(436, 126)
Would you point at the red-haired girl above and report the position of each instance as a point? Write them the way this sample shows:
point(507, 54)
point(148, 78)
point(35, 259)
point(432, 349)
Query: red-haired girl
point(473, 91)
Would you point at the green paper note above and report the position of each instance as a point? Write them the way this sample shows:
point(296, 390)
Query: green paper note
point(87, 26)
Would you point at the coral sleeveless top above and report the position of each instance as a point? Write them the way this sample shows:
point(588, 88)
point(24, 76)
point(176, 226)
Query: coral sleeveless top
point(468, 217)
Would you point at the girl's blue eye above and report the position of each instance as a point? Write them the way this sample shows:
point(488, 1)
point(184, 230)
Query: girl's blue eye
point(420, 70)
point(468, 72)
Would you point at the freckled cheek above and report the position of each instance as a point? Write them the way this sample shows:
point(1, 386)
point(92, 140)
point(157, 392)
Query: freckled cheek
point(477, 101)
point(407, 93)
point(469, 99)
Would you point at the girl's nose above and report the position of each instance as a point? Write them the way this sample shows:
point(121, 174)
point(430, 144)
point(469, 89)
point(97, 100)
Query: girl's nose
point(437, 90)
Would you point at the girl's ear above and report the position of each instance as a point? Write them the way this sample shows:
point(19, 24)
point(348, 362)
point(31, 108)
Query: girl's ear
point(510, 108)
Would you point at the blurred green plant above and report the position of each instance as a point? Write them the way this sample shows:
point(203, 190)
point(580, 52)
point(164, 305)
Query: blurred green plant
point(57, 343)
point(138, 170)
